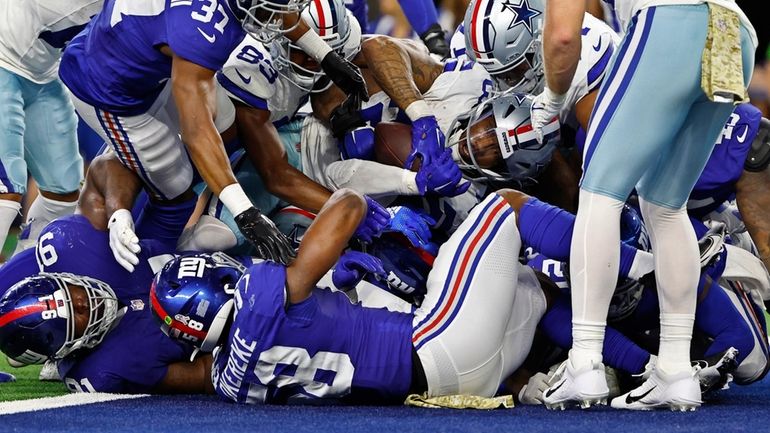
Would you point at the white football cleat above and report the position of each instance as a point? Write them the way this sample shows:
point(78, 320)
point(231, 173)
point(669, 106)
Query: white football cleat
point(679, 391)
point(584, 387)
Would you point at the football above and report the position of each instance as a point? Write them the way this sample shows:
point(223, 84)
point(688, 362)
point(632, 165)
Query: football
point(393, 143)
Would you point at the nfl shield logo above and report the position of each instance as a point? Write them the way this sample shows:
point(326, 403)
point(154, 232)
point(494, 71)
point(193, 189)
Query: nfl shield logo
point(137, 305)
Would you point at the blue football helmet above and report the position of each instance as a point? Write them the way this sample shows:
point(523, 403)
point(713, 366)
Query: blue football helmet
point(192, 296)
point(37, 317)
point(496, 140)
point(628, 292)
point(263, 19)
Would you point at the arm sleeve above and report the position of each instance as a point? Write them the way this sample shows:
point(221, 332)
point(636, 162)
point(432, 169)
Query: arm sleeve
point(370, 178)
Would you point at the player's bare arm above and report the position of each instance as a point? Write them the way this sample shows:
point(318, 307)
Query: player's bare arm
point(753, 197)
point(324, 241)
point(188, 377)
point(109, 186)
point(194, 92)
point(265, 151)
point(403, 70)
point(561, 42)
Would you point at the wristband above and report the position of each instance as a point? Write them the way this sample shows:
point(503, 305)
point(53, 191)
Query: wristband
point(417, 110)
point(235, 199)
point(313, 45)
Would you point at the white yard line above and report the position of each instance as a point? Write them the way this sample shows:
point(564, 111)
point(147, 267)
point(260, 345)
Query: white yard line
point(35, 404)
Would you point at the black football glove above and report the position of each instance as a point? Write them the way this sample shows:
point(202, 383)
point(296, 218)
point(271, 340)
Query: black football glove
point(270, 243)
point(435, 40)
point(345, 75)
point(346, 117)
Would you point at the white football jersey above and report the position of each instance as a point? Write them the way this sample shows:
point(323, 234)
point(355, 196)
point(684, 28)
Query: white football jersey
point(598, 43)
point(34, 32)
point(461, 86)
point(250, 76)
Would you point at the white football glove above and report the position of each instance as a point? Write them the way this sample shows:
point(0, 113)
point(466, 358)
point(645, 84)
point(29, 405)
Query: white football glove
point(123, 241)
point(545, 107)
point(532, 392)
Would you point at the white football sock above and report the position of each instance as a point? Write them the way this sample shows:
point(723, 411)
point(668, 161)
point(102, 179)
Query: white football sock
point(44, 210)
point(677, 271)
point(594, 263)
point(9, 209)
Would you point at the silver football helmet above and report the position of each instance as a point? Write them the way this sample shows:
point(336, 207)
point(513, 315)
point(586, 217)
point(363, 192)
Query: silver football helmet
point(496, 140)
point(336, 25)
point(264, 19)
point(505, 37)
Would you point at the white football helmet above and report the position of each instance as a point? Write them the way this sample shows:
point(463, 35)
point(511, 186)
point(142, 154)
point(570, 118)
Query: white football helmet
point(263, 19)
point(336, 25)
point(505, 37)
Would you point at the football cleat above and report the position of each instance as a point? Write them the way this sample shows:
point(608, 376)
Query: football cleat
point(711, 244)
point(718, 375)
point(678, 392)
point(572, 387)
point(7, 377)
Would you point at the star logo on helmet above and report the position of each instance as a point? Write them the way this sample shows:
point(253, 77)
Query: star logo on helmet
point(522, 14)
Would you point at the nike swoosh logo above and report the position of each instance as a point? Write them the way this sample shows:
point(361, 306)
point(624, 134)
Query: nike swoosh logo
point(210, 38)
point(743, 136)
point(245, 79)
point(550, 391)
point(634, 398)
point(598, 45)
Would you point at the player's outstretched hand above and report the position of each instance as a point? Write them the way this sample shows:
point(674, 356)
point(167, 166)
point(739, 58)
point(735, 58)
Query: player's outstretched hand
point(376, 220)
point(442, 176)
point(532, 392)
point(270, 243)
point(545, 107)
point(413, 224)
point(427, 141)
point(353, 266)
point(345, 75)
point(123, 241)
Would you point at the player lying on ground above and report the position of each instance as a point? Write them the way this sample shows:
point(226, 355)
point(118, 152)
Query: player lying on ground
point(276, 338)
point(71, 301)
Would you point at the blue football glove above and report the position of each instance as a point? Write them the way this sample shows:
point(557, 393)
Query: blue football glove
point(375, 221)
point(415, 225)
point(442, 176)
point(358, 144)
point(427, 141)
point(353, 266)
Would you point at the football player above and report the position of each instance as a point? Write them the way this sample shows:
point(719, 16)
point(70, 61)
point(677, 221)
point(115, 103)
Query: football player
point(124, 68)
point(85, 310)
point(278, 339)
point(37, 121)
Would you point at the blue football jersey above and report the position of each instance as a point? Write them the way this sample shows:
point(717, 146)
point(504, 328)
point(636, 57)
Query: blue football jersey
point(134, 355)
point(115, 63)
point(19, 267)
point(725, 165)
point(322, 348)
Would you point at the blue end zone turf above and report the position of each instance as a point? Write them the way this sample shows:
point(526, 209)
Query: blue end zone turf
point(737, 409)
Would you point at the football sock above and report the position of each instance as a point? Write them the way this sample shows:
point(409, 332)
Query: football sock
point(163, 221)
point(594, 263)
point(677, 271)
point(9, 209)
point(44, 210)
point(420, 13)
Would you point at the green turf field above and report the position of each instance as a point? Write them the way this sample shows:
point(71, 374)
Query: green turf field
point(27, 385)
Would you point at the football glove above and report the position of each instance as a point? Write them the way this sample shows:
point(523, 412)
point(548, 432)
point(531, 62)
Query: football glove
point(270, 243)
point(345, 75)
point(413, 224)
point(427, 141)
point(353, 266)
point(346, 117)
point(123, 240)
point(374, 222)
point(545, 107)
point(442, 176)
